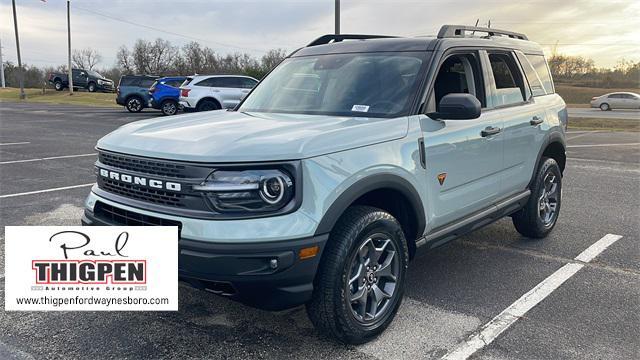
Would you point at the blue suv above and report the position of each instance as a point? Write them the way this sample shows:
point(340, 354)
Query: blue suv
point(133, 91)
point(165, 93)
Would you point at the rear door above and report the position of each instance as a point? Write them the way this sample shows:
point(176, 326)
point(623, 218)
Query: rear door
point(512, 100)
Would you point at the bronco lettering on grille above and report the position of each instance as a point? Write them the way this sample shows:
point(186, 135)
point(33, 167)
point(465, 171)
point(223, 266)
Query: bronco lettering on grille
point(137, 180)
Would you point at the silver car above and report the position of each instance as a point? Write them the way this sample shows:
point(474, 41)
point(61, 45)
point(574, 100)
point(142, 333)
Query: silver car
point(617, 100)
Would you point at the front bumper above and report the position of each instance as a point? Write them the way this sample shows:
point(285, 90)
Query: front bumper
point(267, 275)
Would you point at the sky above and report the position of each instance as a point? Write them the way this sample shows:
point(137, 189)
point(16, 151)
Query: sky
point(605, 31)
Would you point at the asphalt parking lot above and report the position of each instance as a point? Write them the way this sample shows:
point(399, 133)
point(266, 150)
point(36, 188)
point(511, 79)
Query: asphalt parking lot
point(46, 157)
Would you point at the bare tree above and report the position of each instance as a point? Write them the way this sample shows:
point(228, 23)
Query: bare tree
point(86, 58)
point(272, 58)
point(124, 60)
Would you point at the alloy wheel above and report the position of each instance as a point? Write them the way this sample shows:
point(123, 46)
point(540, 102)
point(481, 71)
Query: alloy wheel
point(548, 200)
point(373, 278)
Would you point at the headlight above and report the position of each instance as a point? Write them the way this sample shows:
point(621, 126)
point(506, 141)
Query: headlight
point(100, 82)
point(248, 191)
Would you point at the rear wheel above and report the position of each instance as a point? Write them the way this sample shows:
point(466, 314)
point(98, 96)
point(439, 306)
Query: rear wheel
point(539, 216)
point(134, 104)
point(605, 107)
point(169, 107)
point(58, 85)
point(207, 105)
point(360, 282)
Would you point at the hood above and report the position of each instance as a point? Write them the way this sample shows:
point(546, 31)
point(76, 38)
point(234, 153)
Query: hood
point(228, 136)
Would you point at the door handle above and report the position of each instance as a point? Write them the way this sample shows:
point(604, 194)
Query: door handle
point(535, 121)
point(490, 130)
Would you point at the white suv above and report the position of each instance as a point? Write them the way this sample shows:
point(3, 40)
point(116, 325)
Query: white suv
point(214, 92)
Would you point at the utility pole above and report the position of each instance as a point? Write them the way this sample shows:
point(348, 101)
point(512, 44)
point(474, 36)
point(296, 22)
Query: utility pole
point(337, 14)
point(69, 44)
point(20, 70)
point(1, 66)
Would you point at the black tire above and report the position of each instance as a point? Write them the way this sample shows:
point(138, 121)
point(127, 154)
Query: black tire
point(207, 105)
point(329, 310)
point(169, 107)
point(91, 87)
point(533, 220)
point(58, 85)
point(134, 104)
point(605, 107)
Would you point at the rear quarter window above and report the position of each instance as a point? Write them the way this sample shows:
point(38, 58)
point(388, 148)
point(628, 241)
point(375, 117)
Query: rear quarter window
point(540, 65)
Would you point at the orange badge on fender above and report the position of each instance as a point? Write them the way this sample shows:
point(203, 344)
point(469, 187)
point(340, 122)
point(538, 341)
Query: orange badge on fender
point(441, 178)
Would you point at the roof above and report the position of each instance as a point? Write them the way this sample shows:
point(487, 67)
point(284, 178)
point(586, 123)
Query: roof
point(448, 36)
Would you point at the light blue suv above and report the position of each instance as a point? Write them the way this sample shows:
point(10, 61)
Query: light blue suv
point(353, 153)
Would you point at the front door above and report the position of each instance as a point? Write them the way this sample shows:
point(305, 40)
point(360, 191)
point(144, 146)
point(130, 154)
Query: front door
point(463, 157)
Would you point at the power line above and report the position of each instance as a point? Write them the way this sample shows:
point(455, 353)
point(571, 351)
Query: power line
point(111, 17)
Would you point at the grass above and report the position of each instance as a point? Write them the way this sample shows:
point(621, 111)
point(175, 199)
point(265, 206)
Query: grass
point(51, 96)
point(604, 124)
point(577, 96)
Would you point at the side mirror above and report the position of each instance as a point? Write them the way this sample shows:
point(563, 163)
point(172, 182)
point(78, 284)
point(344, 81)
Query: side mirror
point(458, 107)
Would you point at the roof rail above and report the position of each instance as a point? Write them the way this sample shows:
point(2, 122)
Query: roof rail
point(325, 39)
point(454, 31)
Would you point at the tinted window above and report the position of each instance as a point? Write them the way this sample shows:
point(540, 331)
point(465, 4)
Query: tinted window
point(173, 83)
point(508, 80)
point(146, 83)
point(615, 96)
point(459, 73)
point(540, 64)
point(532, 76)
point(216, 82)
point(247, 83)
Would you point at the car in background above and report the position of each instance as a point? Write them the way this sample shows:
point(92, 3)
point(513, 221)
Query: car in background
point(82, 79)
point(133, 91)
point(214, 92)
point(616, 100)
point(165, 94)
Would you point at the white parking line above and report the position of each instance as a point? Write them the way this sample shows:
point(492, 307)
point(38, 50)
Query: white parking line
point(44, 191)
point(491, 330)
point(16, 143)
point(46, 158)
point(597, 145)
point(581, 135)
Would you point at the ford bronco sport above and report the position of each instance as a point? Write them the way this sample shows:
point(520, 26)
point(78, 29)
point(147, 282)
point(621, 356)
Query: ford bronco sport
point(349, 156)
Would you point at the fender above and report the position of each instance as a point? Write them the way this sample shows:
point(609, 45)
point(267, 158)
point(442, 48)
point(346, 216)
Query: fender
point(552, 137)
point(374, 182)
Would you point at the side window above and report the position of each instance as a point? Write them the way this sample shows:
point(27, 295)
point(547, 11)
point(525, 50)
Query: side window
point(540, 64)
point(508, 80)
point(247, 83)
point(532, 76)
point(146, 83)
point(459, 73)
point(174, 83)
point(207, 82)
point(615, 96)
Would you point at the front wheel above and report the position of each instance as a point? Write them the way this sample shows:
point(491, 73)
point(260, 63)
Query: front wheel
point(169, 107)
point(605, 107)
point(92, 87)
point(539, 216)
point(360, 282)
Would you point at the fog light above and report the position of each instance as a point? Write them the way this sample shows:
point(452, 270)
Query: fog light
point(273, 264)
point(309, 252)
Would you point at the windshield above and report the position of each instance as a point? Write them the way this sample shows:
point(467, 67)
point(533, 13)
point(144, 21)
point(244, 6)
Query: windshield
point(95, 74)
point(359, 84)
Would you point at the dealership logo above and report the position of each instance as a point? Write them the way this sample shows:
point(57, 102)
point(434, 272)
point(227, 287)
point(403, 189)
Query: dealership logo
point(117, 269)
point(142, 181)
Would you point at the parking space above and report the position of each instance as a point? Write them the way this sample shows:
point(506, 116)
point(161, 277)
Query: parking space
point(46, 157)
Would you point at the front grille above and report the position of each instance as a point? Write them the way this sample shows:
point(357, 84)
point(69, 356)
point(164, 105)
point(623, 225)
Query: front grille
point(159, 197)
point(147, 166)
point(117, 216)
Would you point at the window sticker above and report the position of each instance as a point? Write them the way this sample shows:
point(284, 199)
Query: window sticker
point(360, 108)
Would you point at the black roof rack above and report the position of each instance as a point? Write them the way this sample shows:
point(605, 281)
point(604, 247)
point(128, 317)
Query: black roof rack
point(456, 31)
point(325, 39)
